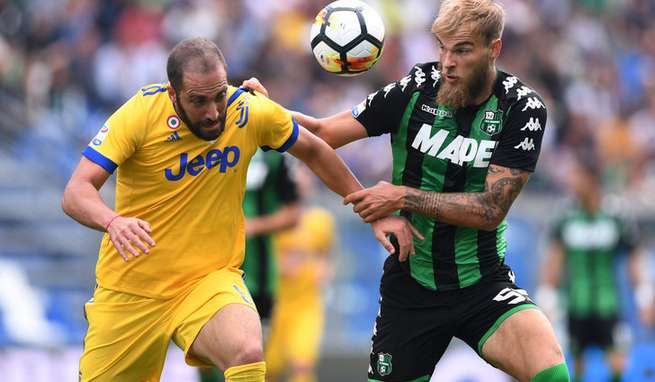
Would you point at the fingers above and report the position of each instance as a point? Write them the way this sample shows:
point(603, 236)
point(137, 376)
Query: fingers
point(254, 84)
point(382, 238)
point(143, 233)
point(355, 197)
point(415, 231)
point(130, 234)
point(119, 248)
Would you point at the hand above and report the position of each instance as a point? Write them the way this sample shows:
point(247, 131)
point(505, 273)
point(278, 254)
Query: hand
point(376, 202)
point(254, 84)
point(126, 232)
point(402, 229)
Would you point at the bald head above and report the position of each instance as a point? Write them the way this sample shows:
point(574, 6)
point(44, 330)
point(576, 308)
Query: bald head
point(194, 55)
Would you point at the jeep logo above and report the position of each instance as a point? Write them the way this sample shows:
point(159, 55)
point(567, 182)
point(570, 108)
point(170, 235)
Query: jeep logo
point(225, 159)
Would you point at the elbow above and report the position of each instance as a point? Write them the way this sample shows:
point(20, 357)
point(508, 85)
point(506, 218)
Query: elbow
point(492, 221)
point(66, 204)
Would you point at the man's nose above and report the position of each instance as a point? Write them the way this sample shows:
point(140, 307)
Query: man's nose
point(212, 112)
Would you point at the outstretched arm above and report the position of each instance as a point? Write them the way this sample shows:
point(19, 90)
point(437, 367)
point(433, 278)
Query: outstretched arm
point(325, 163)
point(337, 130)
point(481, 210)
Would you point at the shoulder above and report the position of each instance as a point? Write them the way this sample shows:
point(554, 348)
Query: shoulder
point(422, 76)
point(513, 93)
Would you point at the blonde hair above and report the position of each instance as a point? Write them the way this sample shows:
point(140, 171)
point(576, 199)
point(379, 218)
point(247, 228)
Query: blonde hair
point(485, 16)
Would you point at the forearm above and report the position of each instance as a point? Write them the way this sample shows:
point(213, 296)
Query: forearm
point(467, 209)
point(83, 203)
point(285, 217)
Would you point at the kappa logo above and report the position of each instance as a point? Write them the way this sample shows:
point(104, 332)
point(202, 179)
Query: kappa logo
point(526, 145)
point(435, 75)
point(419, 76)
point(385, 367)
point(509, 83)
point(459, 151)
point(523, 91)
point(440, 113)
point(532, 125)
point(388, 88)
point(404, 82)
point(533, 103)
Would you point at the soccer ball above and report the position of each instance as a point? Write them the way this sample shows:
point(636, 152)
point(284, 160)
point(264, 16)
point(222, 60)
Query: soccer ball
point(347, 37)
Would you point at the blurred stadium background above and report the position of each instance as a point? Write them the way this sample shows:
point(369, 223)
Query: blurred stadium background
point(65, 65)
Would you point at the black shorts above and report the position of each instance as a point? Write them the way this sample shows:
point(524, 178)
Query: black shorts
point(264, 304)
point(415, 324)
point(591, 331)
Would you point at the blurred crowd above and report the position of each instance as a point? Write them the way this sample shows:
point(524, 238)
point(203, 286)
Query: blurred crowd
point(66, 64)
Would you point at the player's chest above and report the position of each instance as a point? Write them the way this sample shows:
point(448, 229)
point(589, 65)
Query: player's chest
point(591, 234)
point(441, 135)
point(179, 157)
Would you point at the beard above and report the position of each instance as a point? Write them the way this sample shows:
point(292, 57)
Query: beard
point(198, 129)
point(465, 92)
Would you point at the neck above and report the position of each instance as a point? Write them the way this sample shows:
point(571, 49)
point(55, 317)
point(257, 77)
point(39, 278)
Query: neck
point(488, 87)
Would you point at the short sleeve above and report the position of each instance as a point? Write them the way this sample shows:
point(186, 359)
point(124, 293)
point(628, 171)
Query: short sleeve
point(285, 185)
point(275, 127)
point(520, 142)
point(120, 136)
point(382, 111)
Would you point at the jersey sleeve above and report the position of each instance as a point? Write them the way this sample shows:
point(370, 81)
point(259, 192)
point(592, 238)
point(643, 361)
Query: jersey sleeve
point(285, 185)
point(275, 127)
point(382, 110)
point(120, 136)
point(520, 142)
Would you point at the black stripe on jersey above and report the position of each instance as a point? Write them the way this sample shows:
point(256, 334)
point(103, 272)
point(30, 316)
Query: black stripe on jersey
point(413, 171)
point(487, 244)
point(488, 240)
point(263, 258)
point(443, 235)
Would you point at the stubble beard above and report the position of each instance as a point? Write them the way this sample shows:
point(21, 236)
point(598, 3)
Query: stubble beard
point(464, 93)
point(196, 128)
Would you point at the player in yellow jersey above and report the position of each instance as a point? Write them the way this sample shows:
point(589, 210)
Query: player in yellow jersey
point(168, 266)
point(297, 323)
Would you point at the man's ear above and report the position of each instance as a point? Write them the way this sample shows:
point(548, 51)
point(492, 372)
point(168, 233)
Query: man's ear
point(496, 46)
point(171, 93)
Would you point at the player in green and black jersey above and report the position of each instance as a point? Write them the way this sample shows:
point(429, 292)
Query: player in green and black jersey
point(271, 204)
point(465, 138)
point(586, 243)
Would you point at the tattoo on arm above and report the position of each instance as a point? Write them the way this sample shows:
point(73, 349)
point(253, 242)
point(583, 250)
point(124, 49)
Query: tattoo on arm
point(471, 209)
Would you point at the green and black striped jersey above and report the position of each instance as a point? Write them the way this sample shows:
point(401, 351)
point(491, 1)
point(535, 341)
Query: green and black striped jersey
point(591, 244)
point(437, 148)
point(268, 187)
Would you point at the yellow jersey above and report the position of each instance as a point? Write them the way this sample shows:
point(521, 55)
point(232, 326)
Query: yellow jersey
point(190, 190)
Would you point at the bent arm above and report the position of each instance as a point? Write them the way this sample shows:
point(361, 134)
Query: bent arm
point(285, 217)
point(337, 130)
point(325, 163)
point(481, 210)
point(82, 201)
